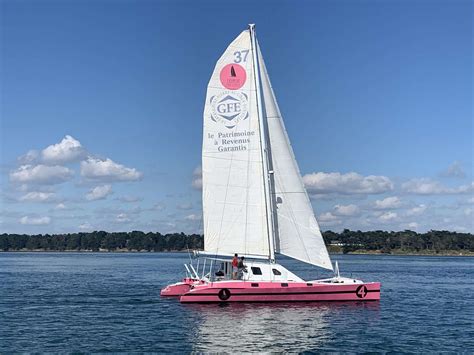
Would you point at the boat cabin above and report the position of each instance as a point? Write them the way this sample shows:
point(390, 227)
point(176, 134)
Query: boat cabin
point(215, 269)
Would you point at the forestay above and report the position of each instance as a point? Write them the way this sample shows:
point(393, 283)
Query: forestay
point(298, 234)
point(234, 212)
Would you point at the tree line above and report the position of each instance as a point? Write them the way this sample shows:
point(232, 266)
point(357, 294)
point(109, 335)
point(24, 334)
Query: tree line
point(404, 241)
point(345, 241)
point(102, 241)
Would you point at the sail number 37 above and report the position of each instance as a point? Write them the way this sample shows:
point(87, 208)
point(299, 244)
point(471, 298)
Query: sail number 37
point(241, 56)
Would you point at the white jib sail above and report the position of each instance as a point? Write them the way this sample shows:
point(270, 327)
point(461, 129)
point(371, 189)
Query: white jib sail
point(298, 235)
point(234, 210)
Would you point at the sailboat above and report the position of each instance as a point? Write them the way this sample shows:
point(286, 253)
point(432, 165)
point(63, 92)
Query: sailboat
point(254, 201)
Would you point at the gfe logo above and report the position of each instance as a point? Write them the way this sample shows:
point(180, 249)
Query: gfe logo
point(229, 108)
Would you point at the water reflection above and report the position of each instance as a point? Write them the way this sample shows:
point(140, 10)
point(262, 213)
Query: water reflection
point(272, 327)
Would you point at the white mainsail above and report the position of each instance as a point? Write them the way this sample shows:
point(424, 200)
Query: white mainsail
point(234, 209)
point(239, 214)
point(298, 234)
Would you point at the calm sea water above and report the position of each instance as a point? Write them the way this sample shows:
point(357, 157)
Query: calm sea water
point(85, 302)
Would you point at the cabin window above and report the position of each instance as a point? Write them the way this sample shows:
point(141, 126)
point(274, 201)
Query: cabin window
point(256, 270)
point(284, 285)
point(309, 284)
point(254, 285)
point(276, 272)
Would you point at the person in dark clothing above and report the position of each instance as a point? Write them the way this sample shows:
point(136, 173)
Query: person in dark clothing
point(241, 267)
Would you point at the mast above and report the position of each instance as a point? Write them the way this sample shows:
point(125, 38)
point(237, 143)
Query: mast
point(264, 148)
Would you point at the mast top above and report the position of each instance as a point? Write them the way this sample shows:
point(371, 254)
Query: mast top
point(251, 26)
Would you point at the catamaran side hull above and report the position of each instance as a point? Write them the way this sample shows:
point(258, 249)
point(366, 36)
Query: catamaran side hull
point(178, 288)
point(275, 292)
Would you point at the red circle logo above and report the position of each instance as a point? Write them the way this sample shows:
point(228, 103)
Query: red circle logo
point(233, 76)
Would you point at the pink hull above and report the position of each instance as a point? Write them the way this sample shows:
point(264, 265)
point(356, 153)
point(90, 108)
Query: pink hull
point(177, 289)
point(285, 292)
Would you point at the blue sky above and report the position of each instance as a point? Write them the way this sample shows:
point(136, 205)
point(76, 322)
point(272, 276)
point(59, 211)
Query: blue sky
point(107, 98)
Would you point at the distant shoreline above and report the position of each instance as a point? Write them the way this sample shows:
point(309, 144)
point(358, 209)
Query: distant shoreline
point(437, 243)
point(357, 252)
point(400, 253)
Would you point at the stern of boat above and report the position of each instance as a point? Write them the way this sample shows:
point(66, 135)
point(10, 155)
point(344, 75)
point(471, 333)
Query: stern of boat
point(177, 289)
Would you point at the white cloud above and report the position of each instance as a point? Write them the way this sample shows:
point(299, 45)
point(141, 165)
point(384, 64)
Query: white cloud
point(193, 217)
point(37, 196)
point(68, 150)
point(346, 184)
point(117, 209)
point(129, 199)
point(346, 210)
point(35, 221)
point(60, 206)
point(41, 174)
point(468, 211)
point(122, 218)
point(388, 216)
point(108, 170)
point(197, 178)
point(415, 211)
point(99, 193)
point(454, 170)
point(29, 157)
point(86, 226)
point(412, 225)
point(387, 203)
point(327, 217)
point(423, 186)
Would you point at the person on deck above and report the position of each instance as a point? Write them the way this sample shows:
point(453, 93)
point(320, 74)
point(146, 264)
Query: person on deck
point(235, 264)
point(241, 267)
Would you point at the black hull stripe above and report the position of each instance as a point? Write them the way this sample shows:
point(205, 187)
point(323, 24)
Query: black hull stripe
point(279, 293)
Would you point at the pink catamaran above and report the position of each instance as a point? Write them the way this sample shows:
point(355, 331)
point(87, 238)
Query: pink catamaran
point(254, 200)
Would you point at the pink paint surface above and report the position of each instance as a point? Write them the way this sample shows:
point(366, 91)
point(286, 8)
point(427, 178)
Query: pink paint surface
point(178, 289)
point(233, 76)
point(275, 292)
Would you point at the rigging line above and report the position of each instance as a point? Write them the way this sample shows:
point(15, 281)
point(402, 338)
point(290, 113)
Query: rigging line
point(263, 143)
point(271, 177)
point(287, 192)
point(201, 225)
point(187, 247)
point(275, 222)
